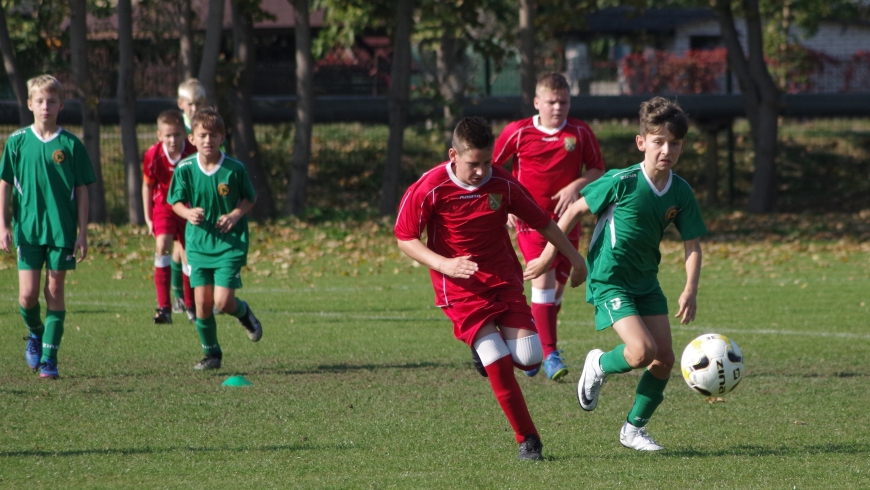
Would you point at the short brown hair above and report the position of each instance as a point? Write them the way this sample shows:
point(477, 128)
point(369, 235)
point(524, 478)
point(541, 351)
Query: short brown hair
point(472, 133)
point(172, 117)
point(45, 82)
point(552, 82)
point(660, 113)
point(209, 119)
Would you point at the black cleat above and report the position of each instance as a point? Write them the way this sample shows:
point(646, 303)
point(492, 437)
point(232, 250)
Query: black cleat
point(530, 449)
point(478, 364)
point(252, 325)
point(164, 315)
point(208, 363)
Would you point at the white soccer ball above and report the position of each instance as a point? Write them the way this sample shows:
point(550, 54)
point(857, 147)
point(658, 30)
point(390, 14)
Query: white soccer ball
point(712, 364)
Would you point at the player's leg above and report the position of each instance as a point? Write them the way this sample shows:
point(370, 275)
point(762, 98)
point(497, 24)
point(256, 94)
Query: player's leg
point(28, 306)
point(498, 362)
point(55, 314)
point(227, 280)
point(163, 276)
point(177, 278)
point(203, 286)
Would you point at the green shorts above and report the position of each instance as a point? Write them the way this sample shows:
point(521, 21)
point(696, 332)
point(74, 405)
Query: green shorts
point(618, 305)
point(33, 257)
point(225, 277)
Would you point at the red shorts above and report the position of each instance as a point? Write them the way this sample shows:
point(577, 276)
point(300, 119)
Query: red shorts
point(532, 244)
point(166, 222)
point(505, 307)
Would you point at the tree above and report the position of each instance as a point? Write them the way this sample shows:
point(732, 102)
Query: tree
point(90, 105)
point(16, 79)
point(212, 49)
point(297, 187)
point(399, 100)
point(244, 140)
point(127, 112)
point(528, 76)
point(185, 39)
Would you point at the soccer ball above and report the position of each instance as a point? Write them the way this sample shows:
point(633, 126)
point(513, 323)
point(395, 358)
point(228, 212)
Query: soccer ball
point(712, 364)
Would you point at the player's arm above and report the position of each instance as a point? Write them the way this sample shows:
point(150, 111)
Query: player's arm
point(560, 242)
point(148, 204)
point(569, 194)
point(5, 236)
point(193, 216)
point(226, 221)
point(688, 299)
point(83, 203)
point(456, 267)
point(567, 222)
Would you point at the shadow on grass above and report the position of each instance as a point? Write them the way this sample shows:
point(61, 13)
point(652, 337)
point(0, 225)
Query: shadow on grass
point(150, 450)
point(747, 450)
point(348, 368)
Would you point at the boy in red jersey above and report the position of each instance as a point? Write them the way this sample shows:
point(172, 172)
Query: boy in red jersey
point(158, 165)
point(556, 156)
point(463, 205)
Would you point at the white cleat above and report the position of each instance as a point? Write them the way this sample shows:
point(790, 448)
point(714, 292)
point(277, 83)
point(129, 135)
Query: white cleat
point(637, 438)
point(591, 380)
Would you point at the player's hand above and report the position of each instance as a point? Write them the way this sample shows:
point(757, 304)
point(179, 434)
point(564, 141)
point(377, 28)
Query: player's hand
point(512, 221)
point(578, 275)
point(81, 247)
point(5, 240)
point(688, 306)
point(195, 216)
point(458, 267)
point(226, 222)
point(535, 268)
point(150, 225)
point(564, 199)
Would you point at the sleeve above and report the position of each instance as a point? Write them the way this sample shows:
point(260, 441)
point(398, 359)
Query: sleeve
point(413, 214)
point(689, 222)
point(178, 188)
point(601, 194)
point(246, 187)
point(524, 206)
point(505, 146)
point(7, 173)
point(592, 157)
point(148, 174)
point(84, 170)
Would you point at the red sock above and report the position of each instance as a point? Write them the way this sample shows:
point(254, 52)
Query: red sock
point(189, 301)
point(545, 321)
point(510, 397)
point(163, 285)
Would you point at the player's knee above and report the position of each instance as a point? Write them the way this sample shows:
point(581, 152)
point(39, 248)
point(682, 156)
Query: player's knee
point(28, 299)
point(640, 356)
point(491, 348)
point(526, 351)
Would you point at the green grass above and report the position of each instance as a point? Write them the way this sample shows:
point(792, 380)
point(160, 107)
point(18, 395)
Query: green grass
point(358, 382)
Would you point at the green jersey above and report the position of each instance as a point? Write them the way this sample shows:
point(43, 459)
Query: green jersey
point(44, 175)
point(632, 217)
point(217, 192)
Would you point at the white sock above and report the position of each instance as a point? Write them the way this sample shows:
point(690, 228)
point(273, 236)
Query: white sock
point(526, 351)
point(491, 348)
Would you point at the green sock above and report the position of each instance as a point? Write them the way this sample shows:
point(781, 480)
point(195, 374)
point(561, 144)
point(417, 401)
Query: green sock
point(33, 319)
point(649, 394)
point(207, 329)
point(177, 280)
point(53, 334)
point(614, 362)
point(241, 309)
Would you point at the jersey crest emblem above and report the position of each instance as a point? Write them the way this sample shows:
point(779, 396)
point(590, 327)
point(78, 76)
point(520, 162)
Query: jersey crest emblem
point(494, 201)
point(58, 156)
point(223, 190)
point(570, 143)
point(672, 213)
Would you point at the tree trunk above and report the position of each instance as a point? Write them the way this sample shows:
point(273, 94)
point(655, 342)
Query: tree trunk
point(127, 113)
point(19, 85)
point(400, 88)
point(528, 78)
point(212, 49)
point(711, 173)
point(185, 39)
point(90, 105)
point(297, 194)
point(244, 140)
point(453, 68)
point(761, 99)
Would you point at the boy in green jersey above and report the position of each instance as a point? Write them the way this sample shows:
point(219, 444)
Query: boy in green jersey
point(213, 192)
point(634, 206)
point(47, 170)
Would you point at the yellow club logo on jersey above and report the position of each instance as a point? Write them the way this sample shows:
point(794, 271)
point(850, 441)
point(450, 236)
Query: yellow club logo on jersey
point(494, 201)
point(672, 213)
point(570, 143)
point(58, 156)
point(223, 190)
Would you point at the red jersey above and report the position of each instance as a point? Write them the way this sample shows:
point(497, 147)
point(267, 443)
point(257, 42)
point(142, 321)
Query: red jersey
point(463, 220)
point(157, 169)
point(548, 159)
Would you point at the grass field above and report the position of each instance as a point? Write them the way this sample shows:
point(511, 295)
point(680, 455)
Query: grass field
point(358, 382)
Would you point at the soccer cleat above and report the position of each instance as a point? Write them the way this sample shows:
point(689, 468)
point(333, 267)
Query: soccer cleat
point(532, 372)
point(164, 315)
point(48, 369)
point(191, 315)
point(208, 363)
point(478, 364)
point(530, 449)
point(178, 305)
point(591, 380)
point(637, 438)
point(252, 325)
point(554, 367)
point(33, 351)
